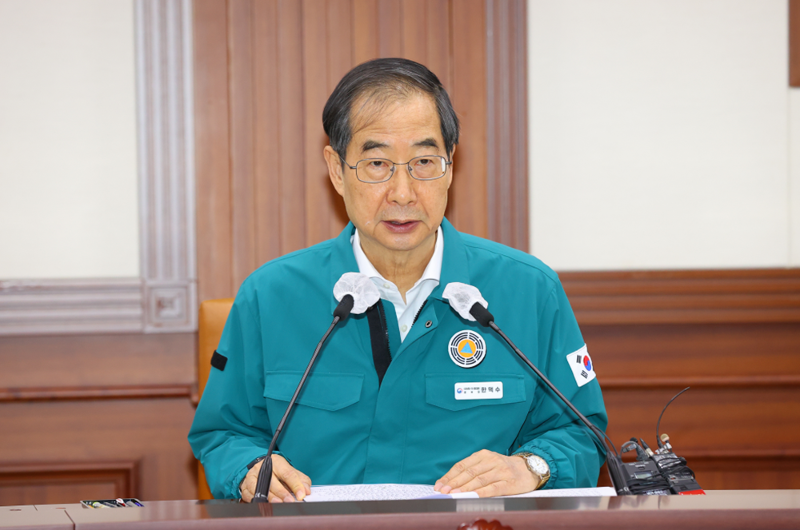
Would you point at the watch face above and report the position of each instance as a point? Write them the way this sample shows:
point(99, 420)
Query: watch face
point(538, 465)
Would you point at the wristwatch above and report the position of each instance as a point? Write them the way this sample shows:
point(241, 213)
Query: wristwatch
point(536, 465)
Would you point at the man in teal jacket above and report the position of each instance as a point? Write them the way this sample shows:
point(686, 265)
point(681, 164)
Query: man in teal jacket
point(455, 407)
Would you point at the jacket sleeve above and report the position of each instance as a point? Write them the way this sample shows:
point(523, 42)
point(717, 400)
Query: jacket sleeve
point(551, 430)
point(231, 427)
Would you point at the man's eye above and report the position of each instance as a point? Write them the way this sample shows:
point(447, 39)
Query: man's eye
point(422, 162)
point(377, 164)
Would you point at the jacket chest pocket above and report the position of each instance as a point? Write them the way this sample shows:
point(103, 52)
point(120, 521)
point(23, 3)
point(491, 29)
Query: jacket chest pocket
point(323, 391)
point(328, 410)
point(483, 420)
point(441, 391)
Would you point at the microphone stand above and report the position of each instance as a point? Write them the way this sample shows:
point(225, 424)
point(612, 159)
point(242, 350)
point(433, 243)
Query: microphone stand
point(265, 473)
point(613, 459)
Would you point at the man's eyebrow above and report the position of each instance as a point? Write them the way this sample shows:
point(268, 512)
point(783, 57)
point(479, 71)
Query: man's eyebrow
point(427, 142)
point(372, 144)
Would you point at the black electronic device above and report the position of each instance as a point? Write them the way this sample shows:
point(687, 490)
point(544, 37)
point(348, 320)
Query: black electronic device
point(659, 472)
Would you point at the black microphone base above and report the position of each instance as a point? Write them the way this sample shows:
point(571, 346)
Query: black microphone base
point(264, 479)
point(614, 464)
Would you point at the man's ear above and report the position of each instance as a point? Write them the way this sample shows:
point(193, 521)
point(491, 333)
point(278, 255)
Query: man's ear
point(334, 169)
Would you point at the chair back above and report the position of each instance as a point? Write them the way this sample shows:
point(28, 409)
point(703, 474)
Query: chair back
point(211, 322)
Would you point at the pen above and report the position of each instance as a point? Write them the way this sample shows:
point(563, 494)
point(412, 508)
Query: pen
point(96, 504)
point(121, 503)
point(110, 504)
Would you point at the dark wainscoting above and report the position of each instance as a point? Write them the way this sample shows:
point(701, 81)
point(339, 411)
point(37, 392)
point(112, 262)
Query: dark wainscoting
point(732, 336)
point(88, 416)
point(26, 483)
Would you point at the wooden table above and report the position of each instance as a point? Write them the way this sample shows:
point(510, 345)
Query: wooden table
point(774, 509)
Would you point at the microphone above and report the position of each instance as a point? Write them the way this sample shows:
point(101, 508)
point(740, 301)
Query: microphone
point(355, 293)
point(466, 300)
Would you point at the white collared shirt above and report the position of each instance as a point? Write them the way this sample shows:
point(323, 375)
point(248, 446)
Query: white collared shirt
point(416, 296)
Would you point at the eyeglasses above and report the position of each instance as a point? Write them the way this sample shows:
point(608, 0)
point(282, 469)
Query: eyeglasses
point(377, 170)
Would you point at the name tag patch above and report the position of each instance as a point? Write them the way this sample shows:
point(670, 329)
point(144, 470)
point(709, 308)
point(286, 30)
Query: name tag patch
point(482, 390)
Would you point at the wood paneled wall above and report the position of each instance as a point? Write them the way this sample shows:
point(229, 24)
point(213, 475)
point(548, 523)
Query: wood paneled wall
point(732, 336)
point(794, 43)
point(83, 416)
point(263, 188)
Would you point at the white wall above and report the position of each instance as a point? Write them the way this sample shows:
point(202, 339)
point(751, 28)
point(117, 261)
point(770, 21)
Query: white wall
point(661, 133)
point(68, 175)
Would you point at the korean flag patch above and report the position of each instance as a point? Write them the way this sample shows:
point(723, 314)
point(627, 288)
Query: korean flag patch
point(582, 366)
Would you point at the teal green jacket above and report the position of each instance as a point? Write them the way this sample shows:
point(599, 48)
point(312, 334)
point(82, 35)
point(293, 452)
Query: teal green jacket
point(346, 429)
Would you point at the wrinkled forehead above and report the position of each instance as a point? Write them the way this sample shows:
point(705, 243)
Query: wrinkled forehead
point(372, 107)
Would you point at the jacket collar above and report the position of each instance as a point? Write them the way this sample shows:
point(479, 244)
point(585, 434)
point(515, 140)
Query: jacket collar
point(342, 259)
point(454, 263)
point(455, 267)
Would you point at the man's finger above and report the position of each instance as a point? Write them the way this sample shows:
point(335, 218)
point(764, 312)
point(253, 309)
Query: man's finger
point(458, 468)
point(306, 481)
point(509, 477)
point(490, 478)
point(248, 486)
point(278, 489)
point(494, 489)
point(472, 469)
point(247, 496)
point(291, 478)
point(473, 477)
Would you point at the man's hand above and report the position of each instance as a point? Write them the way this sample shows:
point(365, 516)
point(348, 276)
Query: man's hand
point(287, 483)
point(489, 474)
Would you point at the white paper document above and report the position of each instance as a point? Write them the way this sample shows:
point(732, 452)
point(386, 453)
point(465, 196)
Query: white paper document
point(380, 492)
point(569, 492)
point(396, 492)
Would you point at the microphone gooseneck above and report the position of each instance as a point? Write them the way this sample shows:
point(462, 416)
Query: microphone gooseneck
point(265, 473)
point(479, 313)
point(355, 295)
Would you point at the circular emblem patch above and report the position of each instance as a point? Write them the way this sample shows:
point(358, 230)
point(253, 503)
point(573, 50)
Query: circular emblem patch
point(467, 349)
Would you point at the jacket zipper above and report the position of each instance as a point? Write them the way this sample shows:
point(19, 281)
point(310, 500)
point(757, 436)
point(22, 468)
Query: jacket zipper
point(419, 311)
point(385, 327)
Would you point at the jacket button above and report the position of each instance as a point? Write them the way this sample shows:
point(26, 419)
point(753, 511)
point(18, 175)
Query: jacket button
point(428, 324)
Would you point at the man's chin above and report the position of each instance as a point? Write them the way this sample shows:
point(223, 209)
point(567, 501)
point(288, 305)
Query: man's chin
point(403, 243)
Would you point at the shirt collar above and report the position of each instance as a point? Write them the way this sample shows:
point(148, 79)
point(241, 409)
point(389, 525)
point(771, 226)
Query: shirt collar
point(433, 271)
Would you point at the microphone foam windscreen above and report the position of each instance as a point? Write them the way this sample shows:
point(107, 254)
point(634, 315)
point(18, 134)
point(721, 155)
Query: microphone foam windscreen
point(462, 297)
point(360, 287)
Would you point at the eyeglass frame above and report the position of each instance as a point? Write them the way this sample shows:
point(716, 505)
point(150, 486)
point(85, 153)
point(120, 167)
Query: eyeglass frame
point(394, 166)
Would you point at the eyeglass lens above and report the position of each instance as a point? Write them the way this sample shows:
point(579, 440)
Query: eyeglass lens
point(421, 168)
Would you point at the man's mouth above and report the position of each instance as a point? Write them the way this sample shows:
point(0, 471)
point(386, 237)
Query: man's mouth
point(401, 226)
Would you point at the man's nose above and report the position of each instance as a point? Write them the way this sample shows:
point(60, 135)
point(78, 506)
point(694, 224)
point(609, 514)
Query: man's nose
point(401, 186)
